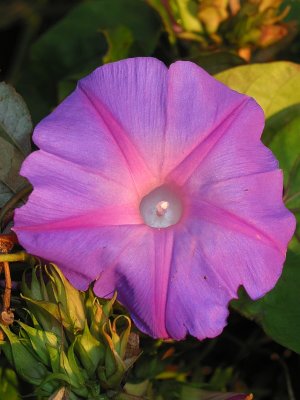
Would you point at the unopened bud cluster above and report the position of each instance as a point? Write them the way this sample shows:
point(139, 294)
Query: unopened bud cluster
point(71, 346)
point(234, 24)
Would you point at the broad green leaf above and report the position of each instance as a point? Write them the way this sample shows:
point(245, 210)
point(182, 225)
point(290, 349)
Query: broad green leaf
point(274, 86)
point(282, 135)
point(278, 312)
point(76, 43)
point(15, 134)
point(10, 163)
point(15, 121)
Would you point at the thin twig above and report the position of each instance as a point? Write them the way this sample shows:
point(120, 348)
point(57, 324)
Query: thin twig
point(7, 290)
point(6, 316)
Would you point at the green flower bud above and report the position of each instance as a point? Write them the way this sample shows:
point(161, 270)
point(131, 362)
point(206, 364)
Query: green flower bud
point(116, 363)
point(71, 349)
point(90, 351)
point(26, 364)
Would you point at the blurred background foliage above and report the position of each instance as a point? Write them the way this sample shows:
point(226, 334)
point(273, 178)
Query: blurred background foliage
point(54, 43)
point(47, 45)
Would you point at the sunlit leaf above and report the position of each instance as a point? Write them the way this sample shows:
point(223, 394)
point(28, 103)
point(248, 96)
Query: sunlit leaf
point(274, 86)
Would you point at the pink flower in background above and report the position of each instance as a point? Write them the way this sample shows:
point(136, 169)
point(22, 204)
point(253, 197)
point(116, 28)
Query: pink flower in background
point(154, 182)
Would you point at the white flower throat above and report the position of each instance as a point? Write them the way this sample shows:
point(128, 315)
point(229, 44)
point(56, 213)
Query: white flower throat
point(161, 207)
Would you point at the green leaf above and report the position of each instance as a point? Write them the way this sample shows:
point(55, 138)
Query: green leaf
point(274, 86)
point(76, 43)
point(278, 312)
point(119, 41)
point(9, 384)
point(15, 121)
point(282, 135)
point(15, 133)
point(10, 164)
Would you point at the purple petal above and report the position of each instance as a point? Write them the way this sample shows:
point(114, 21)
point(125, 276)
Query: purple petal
point(144, 294)
point(130, 98)
point(71, 196)
point(196, 299)
point(245, 219)
point(75, 132)
point(199, 109)
point(128, 128)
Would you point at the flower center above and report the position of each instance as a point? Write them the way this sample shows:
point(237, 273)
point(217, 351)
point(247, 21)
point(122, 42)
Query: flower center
point(161, 207)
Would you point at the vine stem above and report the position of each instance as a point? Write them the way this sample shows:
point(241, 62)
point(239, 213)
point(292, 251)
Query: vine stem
point(20, 256)
point(6, 316)
point(7, 290)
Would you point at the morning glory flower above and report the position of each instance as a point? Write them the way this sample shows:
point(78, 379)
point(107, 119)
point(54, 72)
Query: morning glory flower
point(153, 182)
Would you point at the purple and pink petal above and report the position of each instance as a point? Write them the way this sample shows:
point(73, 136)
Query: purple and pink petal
point(137, 142)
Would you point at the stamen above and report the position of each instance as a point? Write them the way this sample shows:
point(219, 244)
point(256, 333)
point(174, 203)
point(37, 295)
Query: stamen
point(161, 208)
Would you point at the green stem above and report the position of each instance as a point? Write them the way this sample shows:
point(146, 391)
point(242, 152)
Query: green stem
point(20, 256)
